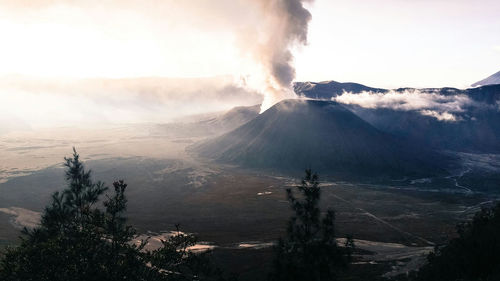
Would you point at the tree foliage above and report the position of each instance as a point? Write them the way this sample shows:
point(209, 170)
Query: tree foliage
point(473, 256)
point(309, 250)
point(82, 237)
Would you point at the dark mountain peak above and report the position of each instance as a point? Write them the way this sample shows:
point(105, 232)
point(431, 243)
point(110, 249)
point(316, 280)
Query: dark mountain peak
point(324, 135)
point(310, 106)
point(490, 80)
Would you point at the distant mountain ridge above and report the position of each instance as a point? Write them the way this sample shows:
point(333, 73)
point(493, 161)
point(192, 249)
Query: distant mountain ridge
point(490, 80)
point(476, 129)
point(329, 89)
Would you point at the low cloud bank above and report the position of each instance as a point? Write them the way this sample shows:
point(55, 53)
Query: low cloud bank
point(441, 107)
point(47, 103)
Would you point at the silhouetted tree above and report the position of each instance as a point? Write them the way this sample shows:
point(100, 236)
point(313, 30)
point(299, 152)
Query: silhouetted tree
point(82, 238)
point(310, 250)
point(473, 256)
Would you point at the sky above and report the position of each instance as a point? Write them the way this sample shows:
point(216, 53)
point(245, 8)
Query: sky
point(66, 60)
point(396, 43)
point(386, 43)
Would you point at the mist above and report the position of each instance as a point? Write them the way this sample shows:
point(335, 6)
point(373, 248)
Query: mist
point(433, 104)
point(30, 103)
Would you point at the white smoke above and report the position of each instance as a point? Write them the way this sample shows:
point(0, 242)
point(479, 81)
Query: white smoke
point(441, 107)
point(283, 25)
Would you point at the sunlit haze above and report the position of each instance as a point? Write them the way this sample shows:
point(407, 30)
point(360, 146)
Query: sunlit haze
point(278, 140)
point(386, 43)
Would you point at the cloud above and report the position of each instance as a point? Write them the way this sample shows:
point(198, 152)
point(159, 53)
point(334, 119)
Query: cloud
point(441, 116)
point(441, 107)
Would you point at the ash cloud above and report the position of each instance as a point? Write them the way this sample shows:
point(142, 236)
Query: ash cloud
point(441, 107)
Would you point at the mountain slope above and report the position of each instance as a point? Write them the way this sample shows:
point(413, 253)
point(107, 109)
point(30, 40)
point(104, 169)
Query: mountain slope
point(234, 118)
point(215, 124)
point(490, 80)
point(325, 136)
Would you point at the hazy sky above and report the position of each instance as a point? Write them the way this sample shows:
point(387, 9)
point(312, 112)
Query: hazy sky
point(392, 43)
point(387, 43)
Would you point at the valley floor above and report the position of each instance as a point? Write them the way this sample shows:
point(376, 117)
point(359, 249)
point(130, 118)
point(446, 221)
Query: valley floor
point(239, 212)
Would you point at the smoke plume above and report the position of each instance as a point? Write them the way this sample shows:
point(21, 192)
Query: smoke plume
point(284, 26)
